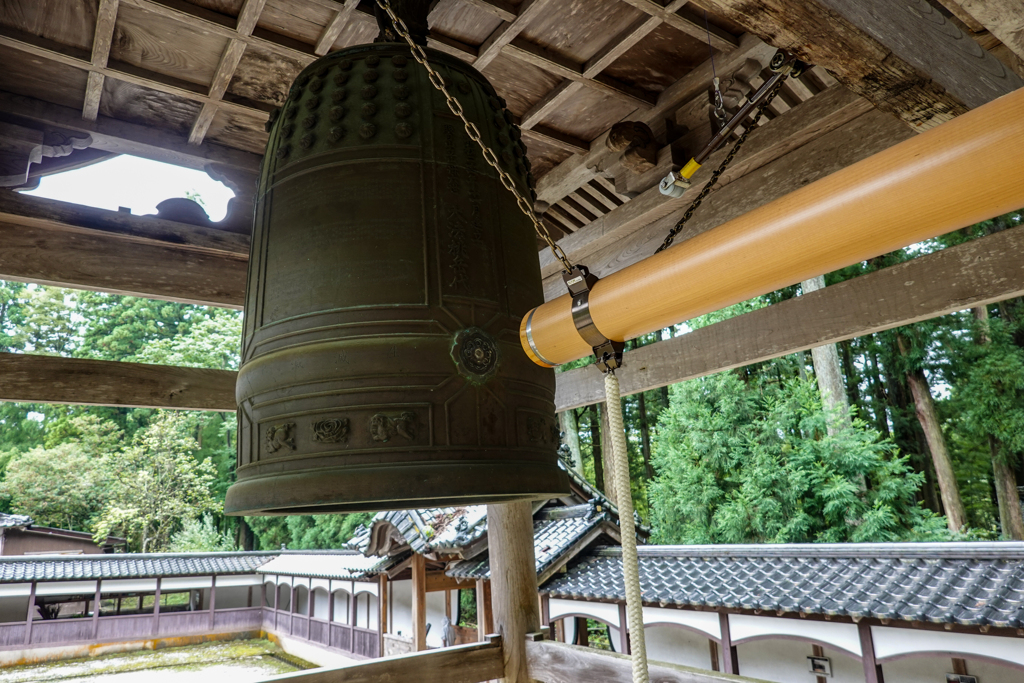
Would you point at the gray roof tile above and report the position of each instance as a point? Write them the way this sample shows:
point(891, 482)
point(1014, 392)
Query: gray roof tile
point(128, 566)
point(961, 583)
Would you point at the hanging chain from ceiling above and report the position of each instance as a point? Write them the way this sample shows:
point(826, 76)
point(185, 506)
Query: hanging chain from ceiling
point(677, 228)
point(437, 80)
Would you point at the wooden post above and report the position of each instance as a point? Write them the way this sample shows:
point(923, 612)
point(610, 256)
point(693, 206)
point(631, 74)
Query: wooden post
point(382, 611)
point(545, 610)
point(213, 600)
point(872, 670)
point(713, 647)
point(484, 616)
point(309, 609)
point(448, 607)
point(582, 632)
point(353, 608)
point(514, 575)
point(818, 650)
point(623, 630)
point(96, 611)
point(156, 607)
point(419, 603)
point(330, 603)
point(31, 613)
point(729, 654)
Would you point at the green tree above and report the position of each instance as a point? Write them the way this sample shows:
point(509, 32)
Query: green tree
point(117, 327)
point(200, 535)
point(212, 341)
point(155, 484)
point(755, 464)
point(48, 324)
point(60, 487)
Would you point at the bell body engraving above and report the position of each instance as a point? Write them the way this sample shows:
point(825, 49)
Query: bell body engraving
point(389, 272)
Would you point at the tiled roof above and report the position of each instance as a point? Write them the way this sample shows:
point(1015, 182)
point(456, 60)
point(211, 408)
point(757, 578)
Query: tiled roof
point(8, 521)
point(350, 565)
point(960, 583)
point(128, 566)
point(429, 529)
point(551, 538)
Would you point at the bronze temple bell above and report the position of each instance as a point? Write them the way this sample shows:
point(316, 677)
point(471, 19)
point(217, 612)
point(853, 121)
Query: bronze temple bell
point(389, 271)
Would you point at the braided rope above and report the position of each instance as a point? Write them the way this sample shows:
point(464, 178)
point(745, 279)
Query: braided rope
point(627, 528)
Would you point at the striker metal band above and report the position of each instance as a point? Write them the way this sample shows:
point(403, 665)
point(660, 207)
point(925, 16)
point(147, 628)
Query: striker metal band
point(533, 345)
point(607, 352)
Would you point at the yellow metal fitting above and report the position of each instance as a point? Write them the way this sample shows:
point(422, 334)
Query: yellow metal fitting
point(690, 168)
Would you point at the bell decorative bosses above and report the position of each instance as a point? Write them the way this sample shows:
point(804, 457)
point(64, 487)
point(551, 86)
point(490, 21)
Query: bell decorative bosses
point(381, 367)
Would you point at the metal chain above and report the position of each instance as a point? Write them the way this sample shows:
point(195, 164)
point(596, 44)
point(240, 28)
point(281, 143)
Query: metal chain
point(437, 80)
point(721, 168)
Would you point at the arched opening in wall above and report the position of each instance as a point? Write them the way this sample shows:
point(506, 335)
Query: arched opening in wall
point(366, 610)
point(341, 606)
point(321, 604)
point(679, 644)
point(589, 631)
point(284, 597)
point(919, 667)
point(784, 659)
point(301, 600)
point(268, 594)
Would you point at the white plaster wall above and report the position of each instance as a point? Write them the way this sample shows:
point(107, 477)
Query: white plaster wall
point(596, 610)
point(321, 603)
point(13, 608)
point(68, 588)
point(238, 580)
point(401, 608)
point(230, 597)
point(435, 617)
point(785, 661)
point(677, 646)
point(143, 585)
point(708, 622)
point(842, 636)
point(932, 668)
point(170, 584)
point(268, 594)
point(341, 607)
point(366, 610)
point(895, 641)
point(301, 600)
point(284, 597)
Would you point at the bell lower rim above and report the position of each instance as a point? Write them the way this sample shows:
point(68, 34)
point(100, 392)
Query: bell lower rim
point(373, 488)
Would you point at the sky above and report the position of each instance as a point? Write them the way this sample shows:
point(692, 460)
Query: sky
point(139, 184)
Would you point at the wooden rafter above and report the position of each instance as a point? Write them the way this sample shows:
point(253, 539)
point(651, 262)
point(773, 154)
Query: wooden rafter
point(333, 29)
point(688, 22)
point(508, 31)
point(106, 17)
point(247, 19)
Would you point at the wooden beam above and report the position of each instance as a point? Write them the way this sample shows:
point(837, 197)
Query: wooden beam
point(122, 137)
point(77, 381)
point(153, 258)
point(484, 618)
point(620, 44)
point(507, 31)
point(688, 22)
point(977, 273)
point(824, 117)
point(554, 137)
point(439, 581)
point(460, 664)
point(542, 58)
point(333, 29)
point(248, 17)
point(872, 670)
point(419, 603)
point(729, 654)
point(551, 102)
point(903, 56)
point(582, 168)
point(106, 16)
point(554, 662)
point(1002, 18)
point(503, 10)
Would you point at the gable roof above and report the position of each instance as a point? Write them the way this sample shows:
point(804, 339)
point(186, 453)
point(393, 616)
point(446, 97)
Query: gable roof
point(128, 566)
point(960, 583)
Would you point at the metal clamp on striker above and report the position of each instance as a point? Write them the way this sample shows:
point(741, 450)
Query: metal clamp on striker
point(608, 353)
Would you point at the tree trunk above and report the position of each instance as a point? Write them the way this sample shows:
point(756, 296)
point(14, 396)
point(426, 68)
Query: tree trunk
point(609, 470)
point(1010, 518)
point(924, 406)
point(645, 438)
point(567, 424)
point(828, 372)
point(595, 447)
point(878, 398)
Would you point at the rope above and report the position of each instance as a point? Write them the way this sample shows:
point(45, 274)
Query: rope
point(630, 561)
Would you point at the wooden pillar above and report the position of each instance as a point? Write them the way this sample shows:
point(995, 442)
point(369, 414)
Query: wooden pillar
point(729, 654)
point(484, 617)
point(818, 651)
point(713, 647)
point(545, 610)
point(330, 602)
point(382, 611)
point(960, 666)
point(582, 632)
point(448, 607)
point(872, 670)
point(30, 616)
point(96, 611)
point(353, 607)
point(514, 578)
point(309, 609)
point(213, 600)
point(623, 630)
point(419, 603)
point(156, 607)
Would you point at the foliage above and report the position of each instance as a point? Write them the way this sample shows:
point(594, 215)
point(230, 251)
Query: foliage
point(743, 464)
point(60, 487)
point(306, 532)
point(200, 535)
point(212, 341)
point(155, 484)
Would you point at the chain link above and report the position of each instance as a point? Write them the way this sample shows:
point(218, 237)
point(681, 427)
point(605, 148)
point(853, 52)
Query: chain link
point(721, 168)
point(437, 80)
